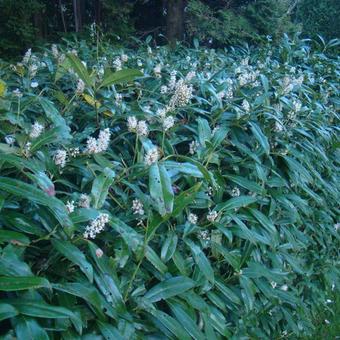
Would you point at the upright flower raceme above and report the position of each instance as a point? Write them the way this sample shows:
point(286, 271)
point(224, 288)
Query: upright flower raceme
point(80, 87)
point(100, 144)
point(36, 130)
point(96, 226)
point(192, 218)
point(60, 158)
point(182, 95)
point(138, 126)
point(151, 156)
point(137, 207)
point(84, 201)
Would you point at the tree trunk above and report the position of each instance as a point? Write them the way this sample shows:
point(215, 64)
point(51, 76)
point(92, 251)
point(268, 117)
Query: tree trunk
point(97, 12)
point(62, 16)
point(77, 15)
point(175, 20)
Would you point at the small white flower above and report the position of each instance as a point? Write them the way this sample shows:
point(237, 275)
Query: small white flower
point(235, 192)
point(190, 76)
point(246, 105)
point(204, 235)
point(182, 95)
point(142, 128)
point(212, 215)
point(124, 58)
point(139, 63)
point(117, 64)
point(274, 284)
point(99, 253)
point(70, 206)
point(164, 89)
point(168, 123)
point(96, 226)
point(297, 105)
point(33, 70)
point(132, 123)
point(137, 207)
point(327, 322)
point(151, 156)
point(337, 226)
point(193, 146)
point(74, 152)
point(157, 70)
point(10, 140)
point(27, 56)
point(80, 87)
point(84, 201)
point(161, 113)
point(27, 149)
point(284, 288)
point(98, 145)
point(60, 158)
point(17, 93)
point(278, 127)
point(36, 130)
point(55, 51)
point(192, 218)
point(34, 84)
point(103, 139)
point(329, 301)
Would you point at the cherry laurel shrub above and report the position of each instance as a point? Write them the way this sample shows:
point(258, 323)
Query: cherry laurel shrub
point(155, 194)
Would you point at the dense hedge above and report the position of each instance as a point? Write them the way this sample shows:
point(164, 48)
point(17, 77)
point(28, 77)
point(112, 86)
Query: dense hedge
point(190, 194)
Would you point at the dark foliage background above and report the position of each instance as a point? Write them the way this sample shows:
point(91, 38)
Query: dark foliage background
point(217, 23)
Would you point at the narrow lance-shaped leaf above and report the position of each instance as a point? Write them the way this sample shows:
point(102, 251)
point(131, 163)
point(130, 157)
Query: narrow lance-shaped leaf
point(7, 311)
point(201, 260)
point(161, 189)
point(14, 283)
point(80, 69)
point(72, 253)
point(261, 138)
point(100, 187)
point(28, 191)
point(168, 288)
point(120, 77)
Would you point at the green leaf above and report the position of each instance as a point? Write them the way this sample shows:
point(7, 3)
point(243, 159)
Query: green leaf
point(84, 291)
point(245, 183)
point(29, 329)
point(181, 201)
point(236, 203)
point(120, 77)
point(109, 332)
point(48, 137)
point(169, 246)
point(100, 187)
point(76, 256)
point(11, 283)
point(264, 220)
point(55, 117)
point(160, 189)
point(168, 288)
point(171, 324)
point(31, 193)
point(186, 321)
point(13, 237)
point(261, 138)
point(204, 131)
point(40, 309)
point(201, 260)
point(7, 311)
point(152, 256)
point(80, 69)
